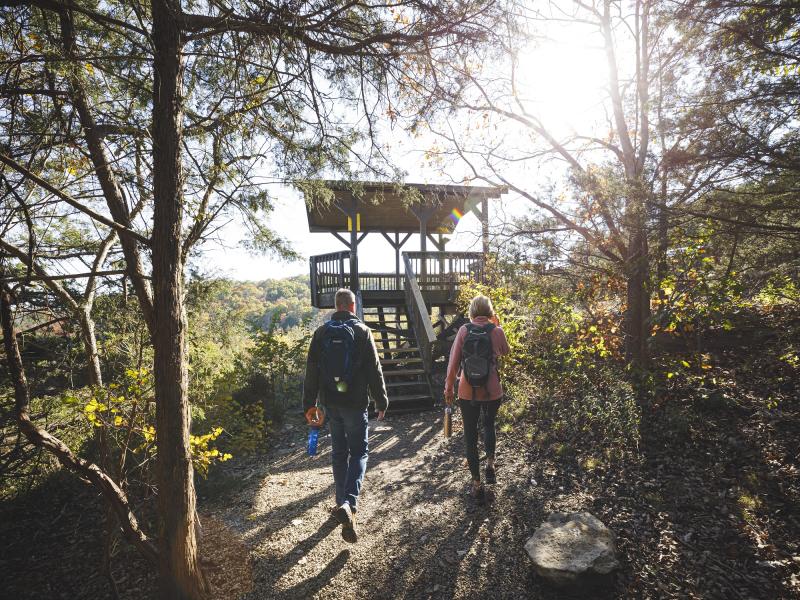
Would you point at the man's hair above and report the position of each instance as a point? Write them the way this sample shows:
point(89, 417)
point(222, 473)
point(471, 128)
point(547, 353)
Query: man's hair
point(344, 299)
point(480, 306)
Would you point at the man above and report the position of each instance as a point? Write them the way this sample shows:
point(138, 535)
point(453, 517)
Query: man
point(343, 364)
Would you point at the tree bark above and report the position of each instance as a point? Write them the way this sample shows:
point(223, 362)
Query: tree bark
point(637, 310)
point(101, 162)
point(43, 439)
point(180, 576)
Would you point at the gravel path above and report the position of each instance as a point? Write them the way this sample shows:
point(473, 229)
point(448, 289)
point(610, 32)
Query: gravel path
point(421, 536)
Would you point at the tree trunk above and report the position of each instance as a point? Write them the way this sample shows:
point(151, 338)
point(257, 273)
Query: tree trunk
point(90, 346)
point(638, 300)
point(43, 439)
point(180, 576)
point(101, 162)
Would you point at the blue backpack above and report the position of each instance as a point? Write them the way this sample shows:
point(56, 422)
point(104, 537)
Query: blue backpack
point(338, 356)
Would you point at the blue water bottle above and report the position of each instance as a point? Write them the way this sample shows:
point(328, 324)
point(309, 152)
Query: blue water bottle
point(313, 436)
point(315, 417)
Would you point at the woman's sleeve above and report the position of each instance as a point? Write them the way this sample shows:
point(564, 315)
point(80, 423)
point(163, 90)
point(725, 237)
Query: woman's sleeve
point(502, 343)
point(454, 362)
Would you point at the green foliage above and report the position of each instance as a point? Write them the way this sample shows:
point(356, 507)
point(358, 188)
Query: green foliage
point(124, 412)
point(25, 466)
point(274, 370)
point(696, 295)
point(564, 372)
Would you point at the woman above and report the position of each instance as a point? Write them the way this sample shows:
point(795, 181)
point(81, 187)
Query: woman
point(474, 399)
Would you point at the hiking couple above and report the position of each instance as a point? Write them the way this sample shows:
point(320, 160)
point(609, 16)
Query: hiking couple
point(344, 368)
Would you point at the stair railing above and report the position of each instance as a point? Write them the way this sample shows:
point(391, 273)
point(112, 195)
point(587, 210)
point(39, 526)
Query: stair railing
point(418, 316)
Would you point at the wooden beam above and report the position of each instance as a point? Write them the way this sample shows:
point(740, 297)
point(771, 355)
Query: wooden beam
point(440, 243)
point(341, 239)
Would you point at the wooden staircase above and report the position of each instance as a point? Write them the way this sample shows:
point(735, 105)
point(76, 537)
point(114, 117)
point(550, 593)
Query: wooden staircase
point(407, 382)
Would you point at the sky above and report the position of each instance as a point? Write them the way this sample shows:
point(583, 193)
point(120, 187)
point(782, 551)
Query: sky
point(562, 78)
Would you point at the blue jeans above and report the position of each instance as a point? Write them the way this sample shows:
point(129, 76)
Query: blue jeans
point(349, 450)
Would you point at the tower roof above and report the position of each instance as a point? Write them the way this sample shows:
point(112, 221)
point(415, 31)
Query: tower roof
point(389, 207)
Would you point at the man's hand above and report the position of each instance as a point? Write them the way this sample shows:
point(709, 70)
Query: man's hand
point(380, 415)
point(449, 397)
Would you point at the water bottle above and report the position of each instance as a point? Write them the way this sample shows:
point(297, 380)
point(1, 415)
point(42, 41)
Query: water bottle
point(448, 421)
point(313, 436)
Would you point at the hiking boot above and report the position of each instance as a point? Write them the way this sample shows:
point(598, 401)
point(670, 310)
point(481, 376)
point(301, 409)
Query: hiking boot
point(491, 477)
point(477, 493)
point(346, 516)
point(343, 513)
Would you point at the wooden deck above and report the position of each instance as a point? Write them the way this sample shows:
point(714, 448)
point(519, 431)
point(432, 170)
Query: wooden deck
point(437, 274)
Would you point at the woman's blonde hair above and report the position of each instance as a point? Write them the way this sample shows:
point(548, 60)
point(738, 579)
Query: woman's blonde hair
point(480, 306)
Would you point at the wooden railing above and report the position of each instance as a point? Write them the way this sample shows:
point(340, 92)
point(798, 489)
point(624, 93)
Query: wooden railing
point(444, 270)
point(329, 272)
point(380, 282)
point(418, 315)
point(437, 276)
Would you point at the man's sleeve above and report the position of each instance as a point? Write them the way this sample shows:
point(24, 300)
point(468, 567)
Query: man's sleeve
point(311, 381)
point(372, 362)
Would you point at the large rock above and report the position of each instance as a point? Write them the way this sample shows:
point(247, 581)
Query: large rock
point(568, 549)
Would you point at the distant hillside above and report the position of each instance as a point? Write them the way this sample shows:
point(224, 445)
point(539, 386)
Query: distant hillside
point(288, 300)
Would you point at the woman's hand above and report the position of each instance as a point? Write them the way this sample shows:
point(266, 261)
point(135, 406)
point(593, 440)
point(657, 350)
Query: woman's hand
point(449, 397)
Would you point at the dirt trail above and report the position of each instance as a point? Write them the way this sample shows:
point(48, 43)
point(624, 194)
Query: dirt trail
point(420, 535)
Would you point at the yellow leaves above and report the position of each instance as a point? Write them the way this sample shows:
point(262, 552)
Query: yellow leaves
point(94, 406)
point(204, 456)
point(36, 42)
point(89, 68)
point(118, 421)
point(149, 433)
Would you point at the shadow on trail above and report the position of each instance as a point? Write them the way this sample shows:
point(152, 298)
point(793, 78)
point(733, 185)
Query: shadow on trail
point(721, 501)
point(309, 587)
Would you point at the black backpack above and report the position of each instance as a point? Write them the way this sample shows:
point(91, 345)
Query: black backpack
point(477, 354)
point(338, 356)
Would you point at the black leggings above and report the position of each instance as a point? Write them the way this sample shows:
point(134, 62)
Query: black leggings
point(471, 412)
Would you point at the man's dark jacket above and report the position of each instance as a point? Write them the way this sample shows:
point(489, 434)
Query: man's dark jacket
point(367, 374)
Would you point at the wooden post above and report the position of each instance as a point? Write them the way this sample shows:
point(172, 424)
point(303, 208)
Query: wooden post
point(397, 257)
point(355, 285)
point(397, 244)
point(485, 226)
point(423, 213)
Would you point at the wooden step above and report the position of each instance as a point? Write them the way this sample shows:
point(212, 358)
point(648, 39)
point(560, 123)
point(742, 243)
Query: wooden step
point(400, 361)
point(404, 350)
point(393, 330)
point(397, 384)
point(409, 398)
point(403, 372)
